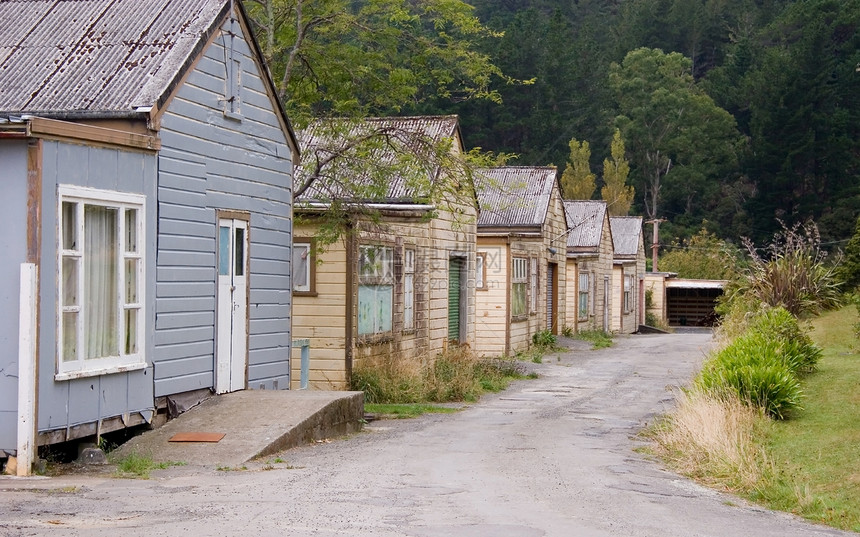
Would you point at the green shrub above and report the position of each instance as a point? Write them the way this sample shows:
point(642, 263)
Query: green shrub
point(544, 339)
point(758, 371)
point(456, 375)
point(782, 328)
point(793, 273)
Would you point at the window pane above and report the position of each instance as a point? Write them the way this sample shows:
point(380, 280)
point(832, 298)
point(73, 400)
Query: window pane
point(130, 345)
point(70, 336)
point(240, 252)
point(131, 230)
point(224, 251)
point(70, 225)
point(479, 272)
point(408, 301)
point(131, 281)
point(301, 267)
point(374, 309)
point(70, 281)
point(100, 281)
point(518, 299)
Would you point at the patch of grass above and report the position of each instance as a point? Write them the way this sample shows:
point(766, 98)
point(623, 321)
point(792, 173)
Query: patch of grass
point(222, 468)
point(137, 466)
point(457, 375)
point(598, 338)
point(819, 449)
point(400, 411)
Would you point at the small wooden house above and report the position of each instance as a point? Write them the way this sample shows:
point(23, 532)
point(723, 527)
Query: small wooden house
point(628, 274)
point(401, 284)
point(147, 193)
point(590, 254)
point(521, 268)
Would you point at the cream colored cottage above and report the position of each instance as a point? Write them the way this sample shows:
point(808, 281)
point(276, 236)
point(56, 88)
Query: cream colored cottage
point(401, 285)
point(590, 253)
point(628, 274)
point(521, 271)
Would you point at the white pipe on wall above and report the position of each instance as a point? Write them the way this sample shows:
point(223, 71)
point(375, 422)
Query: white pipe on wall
point(27, 369)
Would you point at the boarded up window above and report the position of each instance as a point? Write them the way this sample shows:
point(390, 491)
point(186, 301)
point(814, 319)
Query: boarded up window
point(375, 289)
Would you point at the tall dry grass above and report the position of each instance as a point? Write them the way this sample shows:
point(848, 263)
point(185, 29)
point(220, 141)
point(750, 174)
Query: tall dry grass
point(713, 440)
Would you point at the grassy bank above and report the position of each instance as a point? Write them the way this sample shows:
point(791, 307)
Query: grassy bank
point(806, 464)
point(818, 451)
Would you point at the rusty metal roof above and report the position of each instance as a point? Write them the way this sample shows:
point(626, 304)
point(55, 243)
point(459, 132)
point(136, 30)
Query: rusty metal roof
point(333, 143)
point(514, 196)
point(626, 231)
point(585, 222)
point(98, 57)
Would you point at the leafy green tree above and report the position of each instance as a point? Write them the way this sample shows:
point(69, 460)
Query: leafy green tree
point(337, 62)
point(360, 58)
point(617, 194)
point(676, 133)
point(577, 181)
point(703, 256)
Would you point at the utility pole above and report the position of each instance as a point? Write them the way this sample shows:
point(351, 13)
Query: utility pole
point(655, 244)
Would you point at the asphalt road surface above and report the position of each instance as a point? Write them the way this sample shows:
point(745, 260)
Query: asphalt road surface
point(554, 456)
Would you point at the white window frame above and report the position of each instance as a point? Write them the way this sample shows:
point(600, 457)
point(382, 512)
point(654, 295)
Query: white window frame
point(375, 283)
point(584, 289)
point(481, 271)
point(519, 280)
point(126, 359)
point(305, 246)
point(409, 289)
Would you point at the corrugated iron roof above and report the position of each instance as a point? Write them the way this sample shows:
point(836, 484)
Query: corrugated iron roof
point(514, 195)
point(585, 220)
point(324, 139)
point(97, 57)
point(626, 231)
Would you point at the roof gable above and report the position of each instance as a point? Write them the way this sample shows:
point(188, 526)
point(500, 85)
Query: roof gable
point(626, 234)
point(585, 220)
point(514, 196)
point(319, 144)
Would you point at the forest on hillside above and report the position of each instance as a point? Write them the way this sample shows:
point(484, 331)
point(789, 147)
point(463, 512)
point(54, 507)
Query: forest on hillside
point(787, 72)
point(735, 116)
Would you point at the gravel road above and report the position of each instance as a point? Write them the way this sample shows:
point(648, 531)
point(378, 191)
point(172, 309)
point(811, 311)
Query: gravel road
point(553, 456)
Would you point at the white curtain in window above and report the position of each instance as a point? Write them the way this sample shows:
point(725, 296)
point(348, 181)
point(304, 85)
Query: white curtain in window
point(100, 281)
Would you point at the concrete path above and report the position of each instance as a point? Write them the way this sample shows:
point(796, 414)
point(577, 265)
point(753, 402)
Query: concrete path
point(553, 457)
point(254, 423)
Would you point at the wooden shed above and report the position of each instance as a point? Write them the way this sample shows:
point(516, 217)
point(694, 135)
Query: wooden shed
point(521, 267)
point(147, 177)
point(400, 286)
point(590, 253)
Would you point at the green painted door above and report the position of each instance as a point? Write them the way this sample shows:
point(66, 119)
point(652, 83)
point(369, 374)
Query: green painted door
point(455, 268)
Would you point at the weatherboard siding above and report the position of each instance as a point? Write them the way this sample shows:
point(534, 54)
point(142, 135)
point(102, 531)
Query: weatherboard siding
point(13, 212)
point(491, 321)
point(65, 404)
point(210, 162)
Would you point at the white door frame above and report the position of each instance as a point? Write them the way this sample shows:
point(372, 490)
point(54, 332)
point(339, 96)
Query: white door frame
point(231, 353)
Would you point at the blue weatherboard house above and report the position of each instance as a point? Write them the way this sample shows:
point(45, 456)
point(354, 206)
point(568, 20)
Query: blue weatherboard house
point(147, 199)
